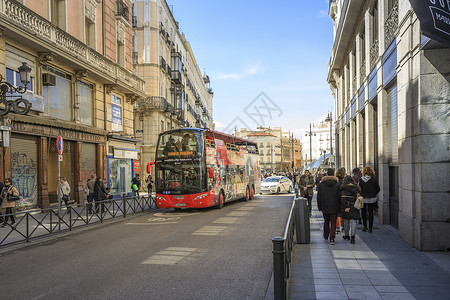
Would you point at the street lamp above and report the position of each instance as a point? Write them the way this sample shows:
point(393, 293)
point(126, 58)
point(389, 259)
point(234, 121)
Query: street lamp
point(6, 87)
point(329, 118)
point(310, 133)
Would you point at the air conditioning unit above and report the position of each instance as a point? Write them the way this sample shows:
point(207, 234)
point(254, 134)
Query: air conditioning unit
point(48, 79)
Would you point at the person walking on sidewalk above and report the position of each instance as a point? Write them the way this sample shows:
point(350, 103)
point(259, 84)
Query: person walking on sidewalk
point(369, 190)
point(149, 181)
point(306, 184)
point(99, 194)
point(328, 202)
point(356, 175)
point(349, 192)
point(90, 197)
point(64, 190)
point(8, 204)
point(340, 174)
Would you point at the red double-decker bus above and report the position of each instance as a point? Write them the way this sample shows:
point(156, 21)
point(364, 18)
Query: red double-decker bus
point(202, 168)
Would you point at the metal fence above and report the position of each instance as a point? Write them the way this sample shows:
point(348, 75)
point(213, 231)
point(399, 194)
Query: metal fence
point(40, 222)
point(282, 257)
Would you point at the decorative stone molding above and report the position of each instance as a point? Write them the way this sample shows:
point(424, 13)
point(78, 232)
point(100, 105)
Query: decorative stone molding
point(90, 9)
point(109, 88)
point(131, 98)
point(391, 26)
point(121, 29)
point(81, 74)
point(374, 54)
point(362, 70)
point(45, 58)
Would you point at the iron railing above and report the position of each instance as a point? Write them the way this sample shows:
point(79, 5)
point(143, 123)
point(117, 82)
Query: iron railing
point(41, 222)
point(282, 257)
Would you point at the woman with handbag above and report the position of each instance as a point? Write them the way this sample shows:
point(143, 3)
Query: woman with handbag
point(350, 214)
point(9, 196)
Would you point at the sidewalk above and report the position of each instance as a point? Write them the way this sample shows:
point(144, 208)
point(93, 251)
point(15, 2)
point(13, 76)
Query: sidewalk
point(379, 266)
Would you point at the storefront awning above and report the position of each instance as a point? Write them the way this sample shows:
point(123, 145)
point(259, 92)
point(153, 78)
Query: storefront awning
point(434, 19)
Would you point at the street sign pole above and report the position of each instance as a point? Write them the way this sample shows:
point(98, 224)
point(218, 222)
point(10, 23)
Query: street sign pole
point(59, 149)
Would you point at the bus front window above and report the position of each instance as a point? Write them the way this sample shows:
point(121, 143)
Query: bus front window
point(181, 178)
point(179, 144)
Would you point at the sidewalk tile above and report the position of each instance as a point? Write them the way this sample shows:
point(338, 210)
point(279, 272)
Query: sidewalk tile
point(329, 281)
point(397, 296)
point(356, 281)
point(302, 295)
point(335, 295)
point(391, 289)
point(323, 275)
point(329, 287)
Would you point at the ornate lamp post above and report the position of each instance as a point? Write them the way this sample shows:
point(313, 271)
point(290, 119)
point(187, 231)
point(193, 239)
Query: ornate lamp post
point(329, 118)
point(310, 133)
point(6, 87)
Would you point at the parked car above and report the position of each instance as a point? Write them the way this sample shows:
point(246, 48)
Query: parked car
point(277, 184)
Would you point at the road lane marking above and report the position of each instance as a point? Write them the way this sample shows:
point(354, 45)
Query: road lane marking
point(246, 208)
point(237, 214)
point(210, 230)
point(172, 256)
point(225, 220)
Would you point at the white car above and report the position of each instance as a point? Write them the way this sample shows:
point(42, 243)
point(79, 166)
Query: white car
point(276, 184)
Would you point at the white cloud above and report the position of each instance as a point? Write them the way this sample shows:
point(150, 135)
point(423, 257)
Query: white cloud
point(323, 13)
point(250, 70)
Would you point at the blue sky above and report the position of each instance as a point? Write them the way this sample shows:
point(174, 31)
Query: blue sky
point(247, 47)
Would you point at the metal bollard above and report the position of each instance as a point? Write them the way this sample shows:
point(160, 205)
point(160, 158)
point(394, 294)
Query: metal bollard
point(279, 281)
point(302, 226)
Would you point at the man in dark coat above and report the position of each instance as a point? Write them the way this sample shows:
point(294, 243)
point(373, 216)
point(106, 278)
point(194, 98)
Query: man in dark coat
point(328, 202)
point(99, 194)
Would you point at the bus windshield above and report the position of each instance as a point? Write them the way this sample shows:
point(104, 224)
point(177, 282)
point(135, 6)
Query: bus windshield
point(179, 144)
point(180, 178)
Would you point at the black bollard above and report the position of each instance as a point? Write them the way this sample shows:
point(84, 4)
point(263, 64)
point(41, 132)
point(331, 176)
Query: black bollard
point(279, 280)
point(302, 226)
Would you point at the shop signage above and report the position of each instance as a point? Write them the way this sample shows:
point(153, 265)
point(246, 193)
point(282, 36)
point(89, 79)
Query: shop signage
point(434, 17)
point(125, 153)
point(137, 165)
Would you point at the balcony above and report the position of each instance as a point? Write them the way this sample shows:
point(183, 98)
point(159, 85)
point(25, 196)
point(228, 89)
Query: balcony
point(176, 76)
point(122, 10)
point(38, 31)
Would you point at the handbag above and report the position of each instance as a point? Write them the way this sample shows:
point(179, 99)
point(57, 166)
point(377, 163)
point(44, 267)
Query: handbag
point(65, 198)
point(12, 198)
point(359, 202)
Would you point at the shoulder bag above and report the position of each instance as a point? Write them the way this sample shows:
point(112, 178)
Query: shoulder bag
point(359, 202)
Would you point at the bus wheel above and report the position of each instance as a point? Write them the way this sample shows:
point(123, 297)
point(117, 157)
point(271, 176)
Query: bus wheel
point(247, 194)
point(221, 200)
point(278, 190)
point(290, 190)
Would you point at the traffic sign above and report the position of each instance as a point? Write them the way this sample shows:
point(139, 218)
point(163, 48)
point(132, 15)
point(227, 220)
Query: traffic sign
point(59, 145)
point(60, 157)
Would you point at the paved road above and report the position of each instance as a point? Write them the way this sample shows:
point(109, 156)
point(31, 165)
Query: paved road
point(193, 254)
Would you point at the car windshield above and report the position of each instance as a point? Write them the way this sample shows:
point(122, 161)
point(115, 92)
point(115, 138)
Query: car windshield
point(272, 179)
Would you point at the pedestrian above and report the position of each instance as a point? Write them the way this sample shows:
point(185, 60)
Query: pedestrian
point(369, 190)
point(340, 174)
point(356, 175)
point(306, 185)
point(349, 192)
point(149, 181)
point(9, 195)
point(329, 203)
point(99, 194)
point(136, 185)
point(90, 197)
point(64, 191)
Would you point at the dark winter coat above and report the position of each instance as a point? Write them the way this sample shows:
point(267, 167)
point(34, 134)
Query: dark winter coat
point(99, 191)
point(348, 198)
point(370, 187)
point(304, 182)
point(328, 195)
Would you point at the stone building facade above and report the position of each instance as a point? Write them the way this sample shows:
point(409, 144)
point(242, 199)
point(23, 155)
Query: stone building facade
point(82, 88)
point(392, 94)
point(178, 95)
point(277, 148)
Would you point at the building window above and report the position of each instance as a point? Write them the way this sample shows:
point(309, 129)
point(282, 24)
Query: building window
point(13, 77)
point(58, 13)
point(58, 98)
point(86, 103)
point(116, 111)
point(375, 22)
point(89, 29)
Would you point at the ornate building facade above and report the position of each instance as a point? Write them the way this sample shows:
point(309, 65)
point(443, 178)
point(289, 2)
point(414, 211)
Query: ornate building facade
point(391, 90)
point(82, 88)
point(178, 95)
